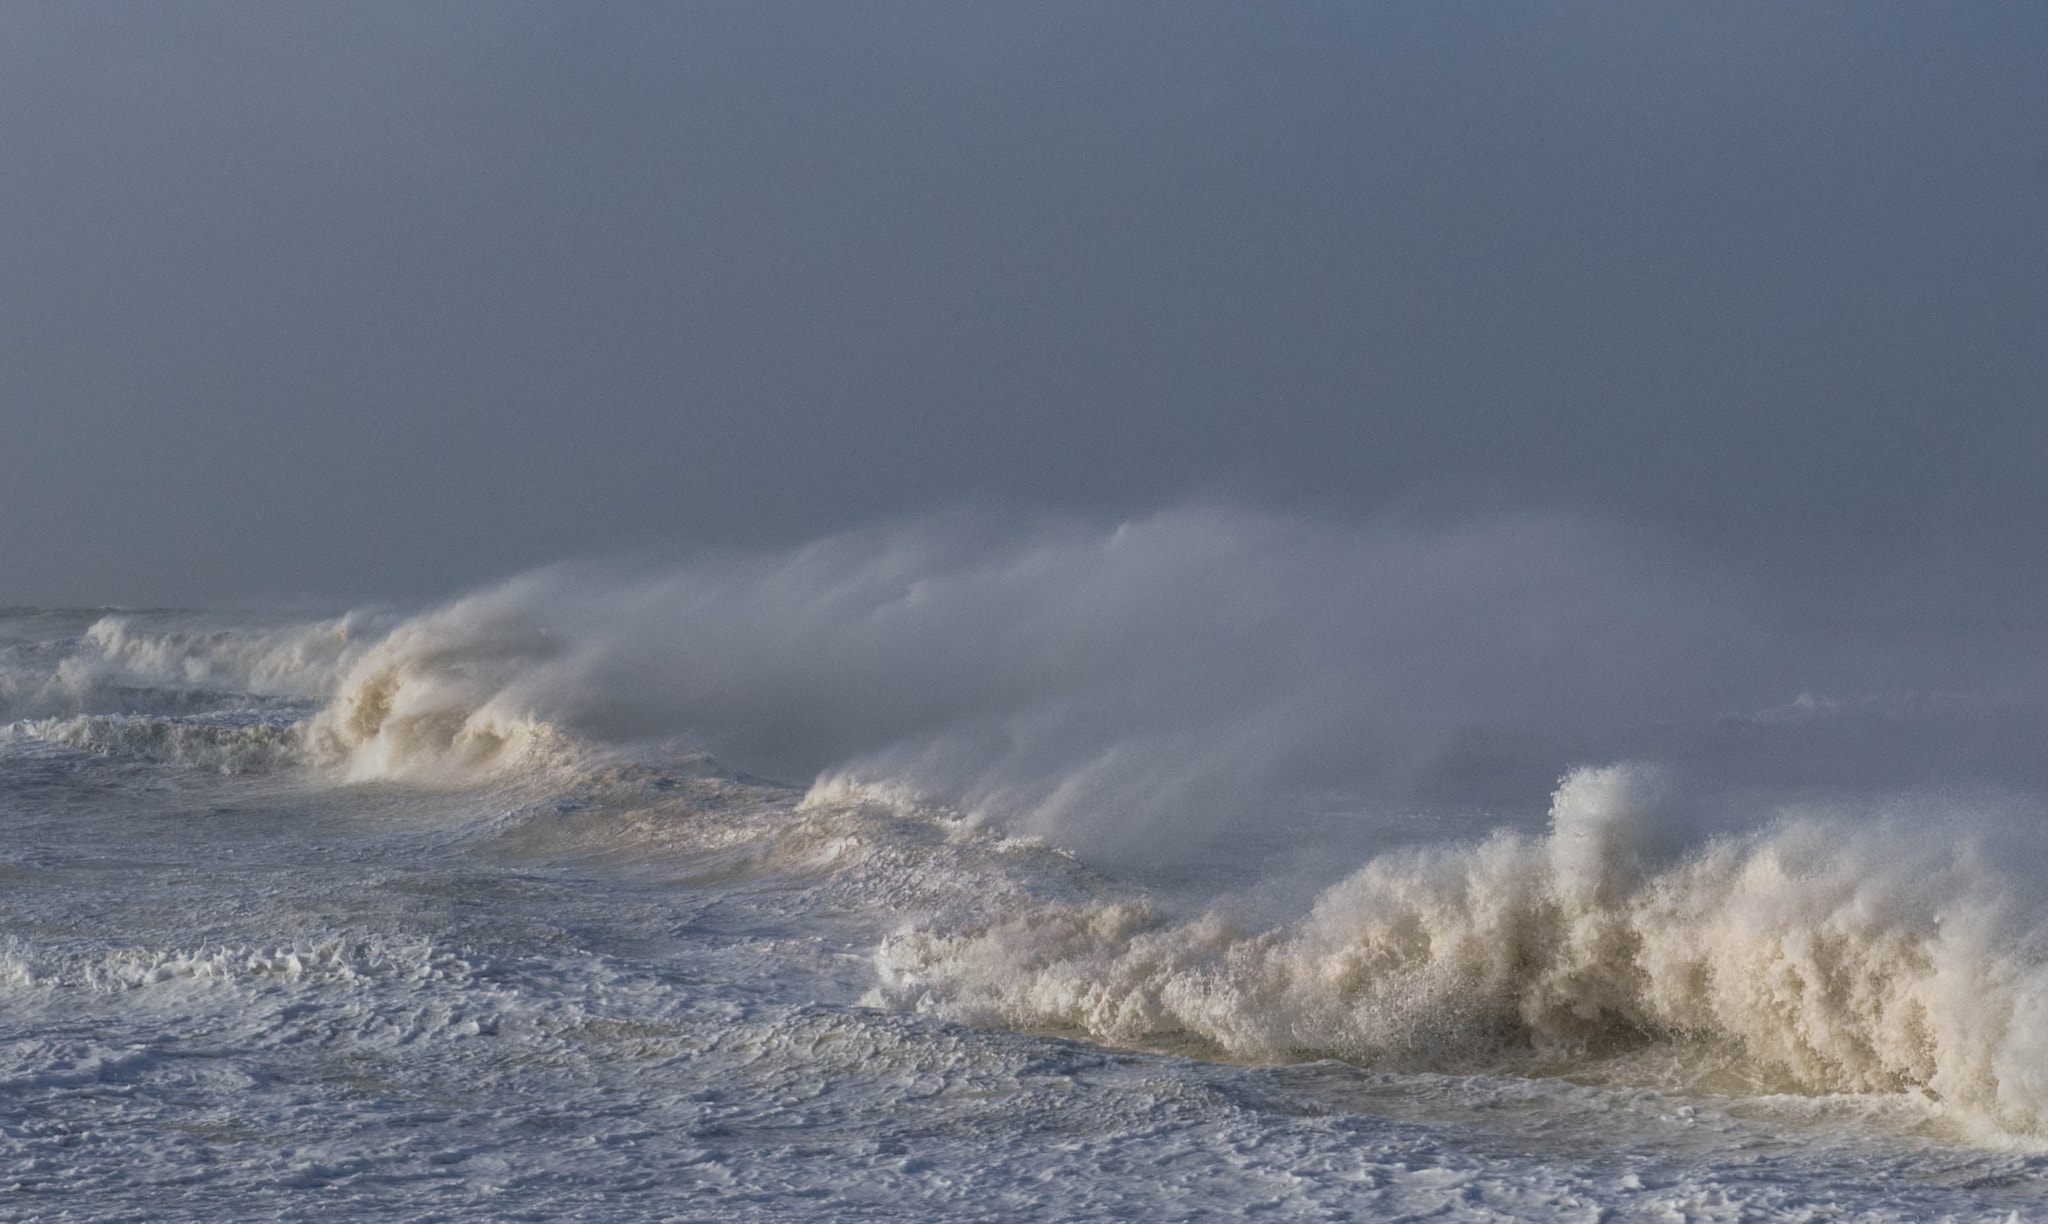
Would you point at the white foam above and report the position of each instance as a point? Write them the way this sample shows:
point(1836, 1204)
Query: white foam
point(292, 660)
point(1835, 956)
point(228, 748)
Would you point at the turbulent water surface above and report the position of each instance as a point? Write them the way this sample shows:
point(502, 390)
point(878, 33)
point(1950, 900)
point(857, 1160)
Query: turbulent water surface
point(1156, 875)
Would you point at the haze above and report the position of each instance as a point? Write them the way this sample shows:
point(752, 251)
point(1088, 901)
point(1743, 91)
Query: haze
point(381, 301)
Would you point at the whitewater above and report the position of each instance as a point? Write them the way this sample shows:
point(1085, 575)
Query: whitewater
point(1205, 864)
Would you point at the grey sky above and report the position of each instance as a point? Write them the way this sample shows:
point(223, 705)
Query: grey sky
point(357, 300)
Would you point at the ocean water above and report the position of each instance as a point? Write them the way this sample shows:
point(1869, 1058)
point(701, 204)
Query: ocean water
point(1210, 866)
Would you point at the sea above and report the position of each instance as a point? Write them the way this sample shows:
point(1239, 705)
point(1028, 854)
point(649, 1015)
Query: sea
point(1202, 866)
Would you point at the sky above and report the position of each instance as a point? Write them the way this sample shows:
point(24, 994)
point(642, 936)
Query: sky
point(386, 301)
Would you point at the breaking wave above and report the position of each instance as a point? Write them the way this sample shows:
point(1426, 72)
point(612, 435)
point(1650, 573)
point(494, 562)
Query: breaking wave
point(1803, 888)
point(176, 664)
point(1830, 955)
point(1085, 684)
point(298, 660)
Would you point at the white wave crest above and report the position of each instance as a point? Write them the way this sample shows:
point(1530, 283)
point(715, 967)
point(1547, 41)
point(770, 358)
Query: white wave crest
point(300, 660)
point(447, 695)
point(169, 663)
point(1840, 957)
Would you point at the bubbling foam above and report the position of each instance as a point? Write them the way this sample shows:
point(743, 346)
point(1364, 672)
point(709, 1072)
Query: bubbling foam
point(1840, 957)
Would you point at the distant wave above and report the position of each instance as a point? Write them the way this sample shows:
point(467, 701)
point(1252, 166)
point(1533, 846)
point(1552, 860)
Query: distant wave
point(178, 663)
point(294, 660)
point(229, 748)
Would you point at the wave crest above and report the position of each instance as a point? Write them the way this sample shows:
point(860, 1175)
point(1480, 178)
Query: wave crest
point(447, 696)
point(1839, 958)
point(301, 660)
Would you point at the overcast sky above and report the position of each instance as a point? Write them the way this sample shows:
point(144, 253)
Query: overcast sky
point(356, 300)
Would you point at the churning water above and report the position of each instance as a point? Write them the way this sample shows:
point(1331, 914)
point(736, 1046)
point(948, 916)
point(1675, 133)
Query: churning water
point(1214, 864)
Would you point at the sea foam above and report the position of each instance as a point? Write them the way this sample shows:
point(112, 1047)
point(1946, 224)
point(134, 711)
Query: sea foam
point(1831, 954)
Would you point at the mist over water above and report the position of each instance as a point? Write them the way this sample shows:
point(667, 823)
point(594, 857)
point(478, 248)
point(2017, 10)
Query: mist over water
point(1139, 687)
point(1106, 683)
point(1163, 690)
point(1196, 685)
